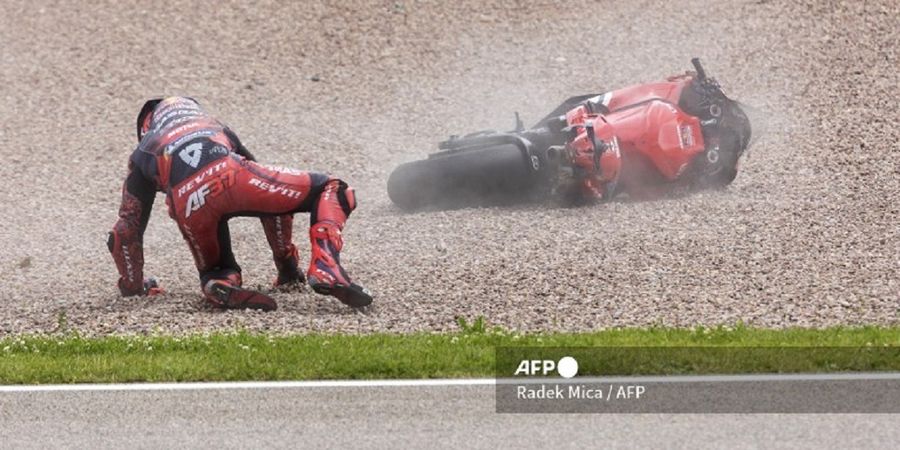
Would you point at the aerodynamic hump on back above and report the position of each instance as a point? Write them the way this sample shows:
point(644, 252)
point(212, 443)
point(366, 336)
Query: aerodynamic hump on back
point(146, 115)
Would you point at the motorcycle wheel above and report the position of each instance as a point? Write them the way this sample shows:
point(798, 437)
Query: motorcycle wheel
point(486, 176)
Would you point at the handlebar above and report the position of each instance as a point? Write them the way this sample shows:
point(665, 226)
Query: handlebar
point(701, 74)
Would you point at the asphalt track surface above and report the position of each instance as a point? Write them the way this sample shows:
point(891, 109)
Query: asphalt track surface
point(389, 416)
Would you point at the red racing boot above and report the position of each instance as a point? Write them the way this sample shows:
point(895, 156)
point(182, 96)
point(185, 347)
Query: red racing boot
point(227, 294)
point(325, 275)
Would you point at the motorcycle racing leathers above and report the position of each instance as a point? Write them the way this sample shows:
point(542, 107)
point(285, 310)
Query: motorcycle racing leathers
point(208, 177)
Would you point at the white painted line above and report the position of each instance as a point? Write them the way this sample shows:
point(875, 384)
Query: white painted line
point(246, 385)
point(863, 376)
point(839, 376)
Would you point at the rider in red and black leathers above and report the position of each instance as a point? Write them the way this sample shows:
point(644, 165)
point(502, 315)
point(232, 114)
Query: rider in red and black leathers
point(208, 177)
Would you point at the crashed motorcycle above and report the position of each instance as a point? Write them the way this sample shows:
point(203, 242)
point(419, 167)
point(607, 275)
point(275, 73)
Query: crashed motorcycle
point(643, 141)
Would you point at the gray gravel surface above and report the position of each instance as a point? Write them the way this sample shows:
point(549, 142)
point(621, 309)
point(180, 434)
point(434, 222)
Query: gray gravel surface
point(808, 234)
point(407, 417)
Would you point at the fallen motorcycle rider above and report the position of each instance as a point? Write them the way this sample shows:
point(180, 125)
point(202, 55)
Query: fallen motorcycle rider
point(645, 141)
point(209, 177)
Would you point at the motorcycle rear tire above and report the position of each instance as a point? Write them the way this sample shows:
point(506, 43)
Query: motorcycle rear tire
point(488, 176)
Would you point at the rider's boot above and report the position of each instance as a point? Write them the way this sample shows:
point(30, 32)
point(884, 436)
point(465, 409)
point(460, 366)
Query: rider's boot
point(226, 293)
point(325, 274)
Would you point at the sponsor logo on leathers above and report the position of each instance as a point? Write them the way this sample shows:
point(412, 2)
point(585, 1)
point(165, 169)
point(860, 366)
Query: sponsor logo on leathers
point(275, 188)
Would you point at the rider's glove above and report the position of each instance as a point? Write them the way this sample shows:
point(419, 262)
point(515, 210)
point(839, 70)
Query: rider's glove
point(150, 288)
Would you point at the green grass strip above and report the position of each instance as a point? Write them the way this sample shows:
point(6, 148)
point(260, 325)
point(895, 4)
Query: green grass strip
point(70, 358)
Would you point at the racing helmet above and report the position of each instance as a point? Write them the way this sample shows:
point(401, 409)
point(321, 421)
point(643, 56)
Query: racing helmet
point(146, 116)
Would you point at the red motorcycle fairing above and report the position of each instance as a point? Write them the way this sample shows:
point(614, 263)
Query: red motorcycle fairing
point(661, 132)
point(669, 90)
point(603, 171)
point(646, 124)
